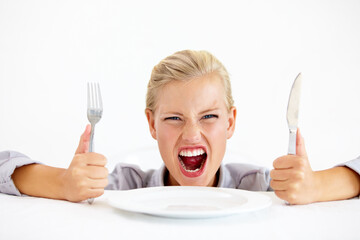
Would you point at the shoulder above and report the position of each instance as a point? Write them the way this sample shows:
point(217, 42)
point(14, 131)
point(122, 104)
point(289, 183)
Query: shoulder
point(247, 176)
point(130, 176)
point(130, 172)
point(241, 170)
point(128, 168)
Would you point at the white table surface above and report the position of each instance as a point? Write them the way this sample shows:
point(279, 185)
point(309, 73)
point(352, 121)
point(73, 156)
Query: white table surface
point(39, 218)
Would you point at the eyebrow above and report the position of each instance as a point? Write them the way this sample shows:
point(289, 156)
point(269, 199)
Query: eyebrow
point(202, 112)
point(209, 110)
point(172, 113)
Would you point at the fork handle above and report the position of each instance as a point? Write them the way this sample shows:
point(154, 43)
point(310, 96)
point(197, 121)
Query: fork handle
point(91, 149)
point(91, 145)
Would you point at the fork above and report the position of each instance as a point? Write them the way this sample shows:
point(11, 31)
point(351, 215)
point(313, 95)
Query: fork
point(94, 113)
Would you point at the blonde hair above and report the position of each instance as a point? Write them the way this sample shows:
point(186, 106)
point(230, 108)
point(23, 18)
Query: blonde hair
point(185, 65)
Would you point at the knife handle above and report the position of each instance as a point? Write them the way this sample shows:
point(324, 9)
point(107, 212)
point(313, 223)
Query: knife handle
point(292, 141)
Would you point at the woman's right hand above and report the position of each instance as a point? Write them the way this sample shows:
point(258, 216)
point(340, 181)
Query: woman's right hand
point(87, 175)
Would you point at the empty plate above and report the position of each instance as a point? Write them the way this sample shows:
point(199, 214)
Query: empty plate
point(188, 202)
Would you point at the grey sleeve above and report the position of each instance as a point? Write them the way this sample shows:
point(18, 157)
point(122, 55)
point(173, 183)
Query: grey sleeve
point(126, 177)
point(9, 161)
point(256, 180)
point(248, 177)
point(353, 164)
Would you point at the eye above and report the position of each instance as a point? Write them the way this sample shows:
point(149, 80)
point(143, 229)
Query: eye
point(172, 118)
point(208, 116)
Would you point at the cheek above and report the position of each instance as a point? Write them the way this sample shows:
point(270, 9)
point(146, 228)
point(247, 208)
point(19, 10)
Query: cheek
point(216, 131)
point(217, 137)
point(166, 136)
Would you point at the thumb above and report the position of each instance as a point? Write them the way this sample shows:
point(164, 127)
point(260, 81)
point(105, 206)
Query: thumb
point(300, 145)
point(84, 141)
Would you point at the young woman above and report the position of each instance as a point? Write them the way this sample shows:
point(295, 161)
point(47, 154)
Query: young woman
point(190, 111)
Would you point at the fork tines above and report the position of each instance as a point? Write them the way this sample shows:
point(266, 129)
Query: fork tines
point(94, 96)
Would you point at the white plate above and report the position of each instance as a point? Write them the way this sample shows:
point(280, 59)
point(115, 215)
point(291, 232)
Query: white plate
point(188, 202)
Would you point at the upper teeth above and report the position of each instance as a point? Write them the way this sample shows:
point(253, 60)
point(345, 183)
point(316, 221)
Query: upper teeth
point(192, 153)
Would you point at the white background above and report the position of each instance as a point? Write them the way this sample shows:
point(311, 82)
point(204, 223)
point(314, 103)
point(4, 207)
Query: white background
point(49, 50)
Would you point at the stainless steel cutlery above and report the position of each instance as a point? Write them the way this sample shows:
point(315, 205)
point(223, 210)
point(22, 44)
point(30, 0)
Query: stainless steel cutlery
point(293, 113)
point(94, 112)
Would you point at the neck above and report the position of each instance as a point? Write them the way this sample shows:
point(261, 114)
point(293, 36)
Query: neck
point(171, 181)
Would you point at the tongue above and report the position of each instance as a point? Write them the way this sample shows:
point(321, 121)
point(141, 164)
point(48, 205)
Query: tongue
point(192, 163)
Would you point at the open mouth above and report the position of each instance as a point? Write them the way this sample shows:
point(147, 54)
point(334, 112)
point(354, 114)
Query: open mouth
point(192, 161)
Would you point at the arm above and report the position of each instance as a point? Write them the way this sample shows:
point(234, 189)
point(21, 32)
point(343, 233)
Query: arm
point(337, 183)
point(294, 181)
point(85, 178)
point(40, 181)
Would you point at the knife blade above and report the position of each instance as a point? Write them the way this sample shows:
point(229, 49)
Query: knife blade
point(293, 113)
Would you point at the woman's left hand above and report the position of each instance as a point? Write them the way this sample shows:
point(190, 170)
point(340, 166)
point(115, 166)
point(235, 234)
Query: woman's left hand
point(292, 178)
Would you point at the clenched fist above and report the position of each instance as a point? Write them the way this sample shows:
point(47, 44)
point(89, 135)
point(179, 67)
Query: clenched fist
point(292, 178)
point(87, 175)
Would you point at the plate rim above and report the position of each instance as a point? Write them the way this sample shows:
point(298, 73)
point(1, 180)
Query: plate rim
point(254, 201)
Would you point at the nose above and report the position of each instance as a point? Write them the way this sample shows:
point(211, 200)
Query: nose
point(191, 133)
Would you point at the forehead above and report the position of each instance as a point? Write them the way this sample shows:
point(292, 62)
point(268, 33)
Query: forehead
point(194, 94)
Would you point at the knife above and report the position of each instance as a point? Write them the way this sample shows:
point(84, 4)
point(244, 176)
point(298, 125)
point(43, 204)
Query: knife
point(293, 113)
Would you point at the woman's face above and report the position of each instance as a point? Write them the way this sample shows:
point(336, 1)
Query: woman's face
point(192, 124)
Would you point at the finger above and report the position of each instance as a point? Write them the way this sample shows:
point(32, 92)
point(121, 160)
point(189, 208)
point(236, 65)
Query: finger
point(279, 185)
point(281, 194)
point(88, 159)
point(281, 175)
point(84, 142)
point(95, 159)
point(290, 197)
point(300, 145)
point(94, 193)
point(284, 162)
point(96, 172)
point(98, 183)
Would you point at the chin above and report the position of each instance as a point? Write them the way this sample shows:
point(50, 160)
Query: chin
point(195, 183)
